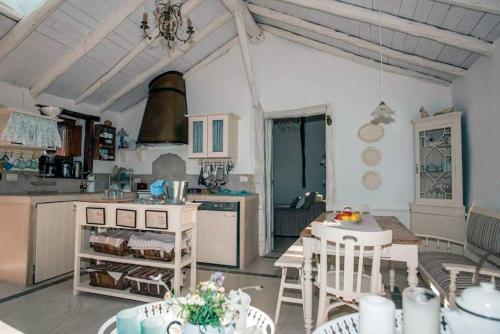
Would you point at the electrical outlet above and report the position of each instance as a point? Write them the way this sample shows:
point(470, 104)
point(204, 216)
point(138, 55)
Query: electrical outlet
point(137, 180)
point(243, 178)
point(11, 177)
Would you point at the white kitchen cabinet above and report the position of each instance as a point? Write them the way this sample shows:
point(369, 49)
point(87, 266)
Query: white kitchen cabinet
point(213, 136)
point(438, 207)
point(55, 240)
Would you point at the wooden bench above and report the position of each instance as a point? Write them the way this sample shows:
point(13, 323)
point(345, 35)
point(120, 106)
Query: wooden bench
point(293, 258)
point(450, 265)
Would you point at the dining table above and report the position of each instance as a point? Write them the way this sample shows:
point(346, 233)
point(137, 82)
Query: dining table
point(403, 248)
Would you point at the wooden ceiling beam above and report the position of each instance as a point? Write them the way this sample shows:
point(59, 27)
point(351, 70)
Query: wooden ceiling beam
point(86, 44)
point(358, 42)
point(388, 21)
point(176, 53)
point(246, 57)
point(26, 26)
point(211, 57)
point(351, 56)
point(252, 28)
point(488, 6)
point(186, 9)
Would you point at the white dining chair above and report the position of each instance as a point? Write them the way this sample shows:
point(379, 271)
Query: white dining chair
point(347, 284)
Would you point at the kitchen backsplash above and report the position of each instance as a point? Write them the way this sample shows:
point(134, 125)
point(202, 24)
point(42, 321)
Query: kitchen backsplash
point(28, 182)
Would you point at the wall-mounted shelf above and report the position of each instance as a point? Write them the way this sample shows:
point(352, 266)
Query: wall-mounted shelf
point(140, 151)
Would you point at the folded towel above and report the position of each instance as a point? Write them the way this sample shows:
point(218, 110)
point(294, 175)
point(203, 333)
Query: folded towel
point(156, 188)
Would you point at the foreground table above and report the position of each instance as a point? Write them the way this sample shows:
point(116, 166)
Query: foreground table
point(404, 248)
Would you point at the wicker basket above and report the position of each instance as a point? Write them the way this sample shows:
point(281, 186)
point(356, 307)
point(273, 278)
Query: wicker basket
point(123, 250)
point(152, 254)
point(108, 242)
point(99, 275)
point(141, 282)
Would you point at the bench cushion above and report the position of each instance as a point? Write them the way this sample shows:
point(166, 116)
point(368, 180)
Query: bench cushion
point(484, 232)
point(432, 262)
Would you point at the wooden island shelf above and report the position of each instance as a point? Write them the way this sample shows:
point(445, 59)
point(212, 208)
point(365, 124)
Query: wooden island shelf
point(103, 216)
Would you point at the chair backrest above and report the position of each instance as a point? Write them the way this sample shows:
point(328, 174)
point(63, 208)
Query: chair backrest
point(350, 245)
point(363, 208)
point(483, 230)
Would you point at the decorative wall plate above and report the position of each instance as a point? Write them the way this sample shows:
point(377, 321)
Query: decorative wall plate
point(371, 156)
point(370, 132)
point(372, 180)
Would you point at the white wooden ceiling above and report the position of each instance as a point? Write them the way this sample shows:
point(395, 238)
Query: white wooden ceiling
point(61, 31)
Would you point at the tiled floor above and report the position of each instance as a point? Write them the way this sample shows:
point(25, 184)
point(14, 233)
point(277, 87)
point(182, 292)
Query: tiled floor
point(55, 310)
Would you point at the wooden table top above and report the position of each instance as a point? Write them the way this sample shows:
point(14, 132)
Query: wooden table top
point(400, 233)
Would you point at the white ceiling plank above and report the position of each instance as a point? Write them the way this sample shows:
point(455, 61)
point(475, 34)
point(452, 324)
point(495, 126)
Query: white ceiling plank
point(438, 14)
point(488, 6)
point(470, 19)
point(423, 10)
point(452, 55)
point(358, 42)
point(5, 25)
point(407, 8)
point(397, 23)
point(200, 35)
point(485, 26)
point(187, 7)
point(87, 44)
point(358, 59)
point(26, 26)
point(453, 18)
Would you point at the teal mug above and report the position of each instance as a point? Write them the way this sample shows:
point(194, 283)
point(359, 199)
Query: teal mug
point(20, 163)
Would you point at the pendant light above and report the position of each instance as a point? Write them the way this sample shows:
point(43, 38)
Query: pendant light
point(382, 113)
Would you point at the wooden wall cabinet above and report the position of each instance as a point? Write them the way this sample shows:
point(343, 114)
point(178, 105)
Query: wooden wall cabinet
point(438, 207)
point(213, 136)
point(104, 143)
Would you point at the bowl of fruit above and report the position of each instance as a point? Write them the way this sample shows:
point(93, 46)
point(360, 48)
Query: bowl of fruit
point(347, 215)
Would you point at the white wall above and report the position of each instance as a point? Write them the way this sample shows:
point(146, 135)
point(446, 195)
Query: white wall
point(20, 98)
point(478, 96)
point(291, 76)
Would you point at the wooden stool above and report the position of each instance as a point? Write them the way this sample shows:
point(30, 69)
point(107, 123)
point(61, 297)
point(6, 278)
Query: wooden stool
point(293, 258)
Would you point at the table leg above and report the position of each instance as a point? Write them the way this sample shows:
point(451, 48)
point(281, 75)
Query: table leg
point(307, 249)
point(392, 276)
point(412, 265)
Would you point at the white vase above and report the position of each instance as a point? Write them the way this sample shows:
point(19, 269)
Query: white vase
point(195, 329)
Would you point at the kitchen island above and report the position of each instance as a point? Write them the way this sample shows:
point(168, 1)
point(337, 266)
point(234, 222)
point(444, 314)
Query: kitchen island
point(36, 238)
point(99, 216)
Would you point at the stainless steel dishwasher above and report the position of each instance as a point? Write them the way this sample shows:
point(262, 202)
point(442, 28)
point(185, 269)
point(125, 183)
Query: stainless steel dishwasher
point(218, 233)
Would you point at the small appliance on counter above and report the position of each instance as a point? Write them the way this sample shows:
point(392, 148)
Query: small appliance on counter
point(46, 164)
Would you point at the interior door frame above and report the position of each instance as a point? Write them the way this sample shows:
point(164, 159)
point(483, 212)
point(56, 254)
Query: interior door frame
point(327, 111)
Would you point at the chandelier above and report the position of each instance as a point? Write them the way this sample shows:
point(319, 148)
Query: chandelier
point(169, 21)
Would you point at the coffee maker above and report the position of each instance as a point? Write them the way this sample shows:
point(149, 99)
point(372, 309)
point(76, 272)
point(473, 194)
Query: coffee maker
point(46, 164)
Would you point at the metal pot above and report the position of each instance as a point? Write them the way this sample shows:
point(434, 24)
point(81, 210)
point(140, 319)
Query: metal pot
point(77, 169)
point(66, 169)
point(175, 191)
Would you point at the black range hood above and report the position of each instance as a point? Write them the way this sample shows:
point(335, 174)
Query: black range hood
point(164, 120)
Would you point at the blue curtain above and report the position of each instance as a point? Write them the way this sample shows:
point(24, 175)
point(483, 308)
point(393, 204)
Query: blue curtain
point(217, 135)
point(197, 137)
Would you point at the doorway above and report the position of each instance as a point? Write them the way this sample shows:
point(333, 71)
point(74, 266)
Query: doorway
point(298, 172)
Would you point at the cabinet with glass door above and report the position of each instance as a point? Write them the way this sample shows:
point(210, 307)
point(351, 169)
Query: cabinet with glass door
point(213, 136)
point(438, 173)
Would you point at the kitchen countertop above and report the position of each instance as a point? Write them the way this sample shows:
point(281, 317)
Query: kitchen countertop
point(41, 197)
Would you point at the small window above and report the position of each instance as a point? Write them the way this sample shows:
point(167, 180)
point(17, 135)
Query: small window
point(22, 7)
